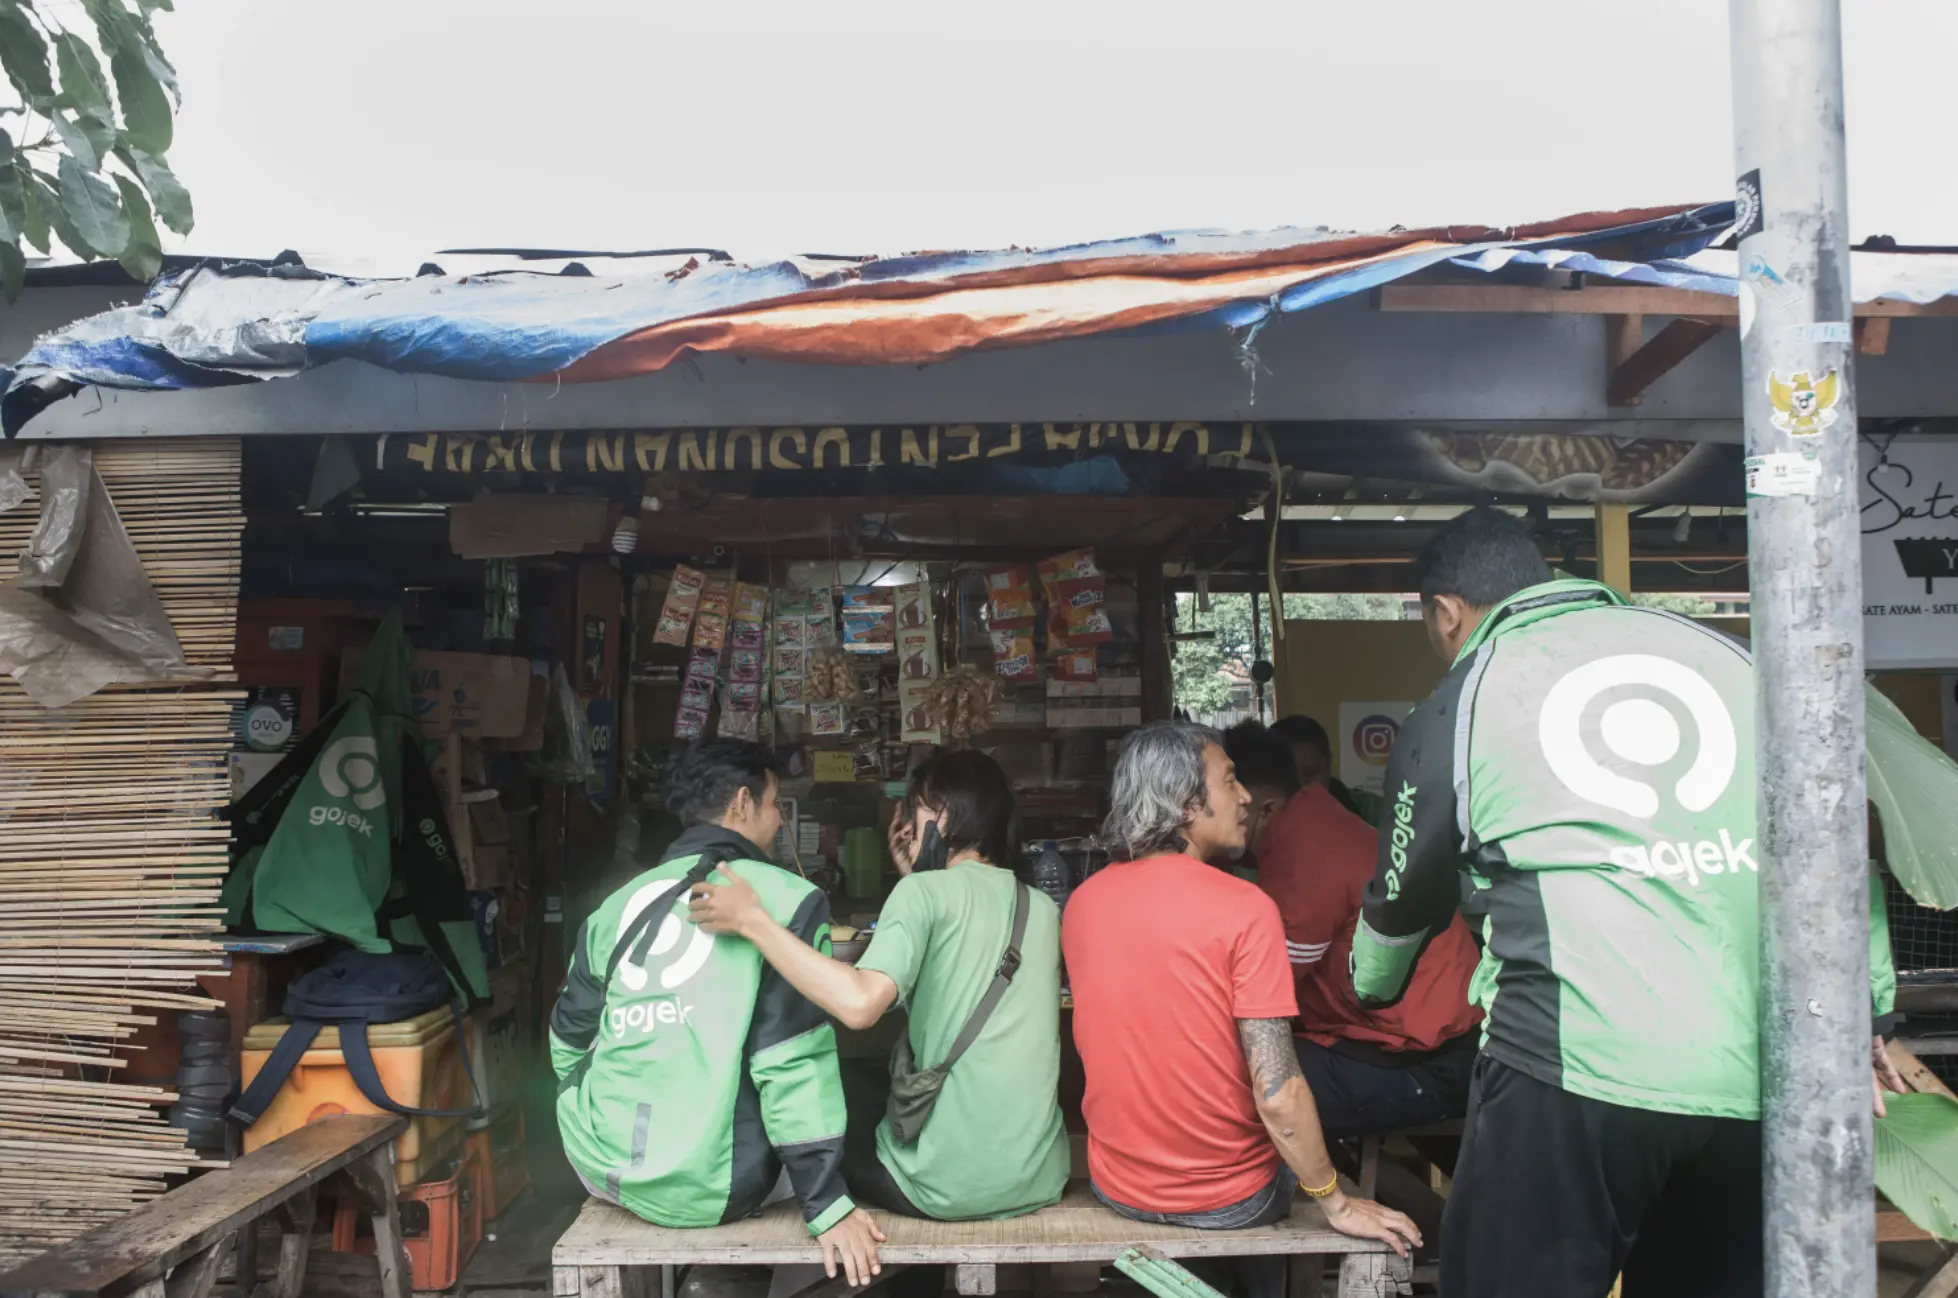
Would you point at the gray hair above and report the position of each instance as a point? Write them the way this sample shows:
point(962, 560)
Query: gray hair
point(1158, 783)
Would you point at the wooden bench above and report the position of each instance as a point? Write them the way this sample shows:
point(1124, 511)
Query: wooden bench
point(606, 1251)
point(172, 1246)
point(1369, 1177)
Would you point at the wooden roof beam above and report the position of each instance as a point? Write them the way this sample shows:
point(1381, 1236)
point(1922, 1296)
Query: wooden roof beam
point(1633, 365)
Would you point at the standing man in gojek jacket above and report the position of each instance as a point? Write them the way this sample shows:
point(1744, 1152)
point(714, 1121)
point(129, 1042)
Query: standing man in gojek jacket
point(1590, 765)
point(690, 1074)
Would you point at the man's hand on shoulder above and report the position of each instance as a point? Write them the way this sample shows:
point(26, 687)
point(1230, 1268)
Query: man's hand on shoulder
point(854, 1240)
point(726, 903)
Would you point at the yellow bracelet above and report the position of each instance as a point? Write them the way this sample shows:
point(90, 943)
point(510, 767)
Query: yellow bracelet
point(1324, 1191)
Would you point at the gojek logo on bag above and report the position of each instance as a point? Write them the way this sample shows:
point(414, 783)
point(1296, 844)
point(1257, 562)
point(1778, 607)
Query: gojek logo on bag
point(647, 1016)
point(1639, 731)
point(350, 768)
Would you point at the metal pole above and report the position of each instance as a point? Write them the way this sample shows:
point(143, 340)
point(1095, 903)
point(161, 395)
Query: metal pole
point(1805, 571)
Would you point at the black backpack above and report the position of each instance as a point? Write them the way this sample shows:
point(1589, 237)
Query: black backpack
point(351, 990)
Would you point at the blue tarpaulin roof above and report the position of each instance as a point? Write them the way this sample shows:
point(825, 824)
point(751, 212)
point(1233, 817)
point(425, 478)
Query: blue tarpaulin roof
point(216, 323)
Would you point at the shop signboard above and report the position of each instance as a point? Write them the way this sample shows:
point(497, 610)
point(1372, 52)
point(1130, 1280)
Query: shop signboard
point(1909, 492)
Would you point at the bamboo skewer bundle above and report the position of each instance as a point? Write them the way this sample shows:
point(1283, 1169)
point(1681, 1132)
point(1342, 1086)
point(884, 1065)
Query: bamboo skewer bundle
point(111, 859)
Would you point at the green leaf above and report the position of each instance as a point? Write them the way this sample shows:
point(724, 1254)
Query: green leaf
point(152, 53)
point(142, 256)
point(83, 85)
point(13, 203)
point(34, 205)
point(166, 191)
point(87, 138)
point(145, 108)
point(24, 56)
point(13, 271)
point(1917, 1160)
point(92, 212)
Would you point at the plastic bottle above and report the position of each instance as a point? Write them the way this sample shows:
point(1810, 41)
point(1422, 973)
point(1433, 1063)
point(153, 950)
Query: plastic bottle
point(1050, 872)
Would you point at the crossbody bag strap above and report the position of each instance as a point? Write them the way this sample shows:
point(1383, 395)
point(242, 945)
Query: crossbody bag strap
point(1009, 964)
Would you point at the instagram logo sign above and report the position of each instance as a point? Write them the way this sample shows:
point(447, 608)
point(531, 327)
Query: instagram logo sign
point(1373, 738)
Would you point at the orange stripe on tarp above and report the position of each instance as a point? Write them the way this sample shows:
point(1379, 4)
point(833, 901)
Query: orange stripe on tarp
point(920, 320)
point(917, 330)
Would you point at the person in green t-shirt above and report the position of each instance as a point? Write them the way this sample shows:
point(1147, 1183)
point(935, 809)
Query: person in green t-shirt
point(993, 1146)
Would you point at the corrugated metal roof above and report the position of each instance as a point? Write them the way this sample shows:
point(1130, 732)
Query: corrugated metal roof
point(215, 324)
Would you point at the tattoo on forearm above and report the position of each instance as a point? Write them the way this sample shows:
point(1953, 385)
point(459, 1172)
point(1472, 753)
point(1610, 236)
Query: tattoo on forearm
point(1269, 1051)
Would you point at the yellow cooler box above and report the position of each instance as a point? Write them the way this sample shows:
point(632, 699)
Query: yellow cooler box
point(417, 1062)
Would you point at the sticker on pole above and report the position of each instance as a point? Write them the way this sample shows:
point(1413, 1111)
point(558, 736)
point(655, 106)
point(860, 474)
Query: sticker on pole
point(1767, 280)
point(1803, 404)
point(1783, 473)
point(1748, 221)
point(1822, 331)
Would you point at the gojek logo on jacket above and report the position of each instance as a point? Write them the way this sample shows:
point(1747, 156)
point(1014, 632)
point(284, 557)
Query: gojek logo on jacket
point(1639, 731)
point(647, 1016)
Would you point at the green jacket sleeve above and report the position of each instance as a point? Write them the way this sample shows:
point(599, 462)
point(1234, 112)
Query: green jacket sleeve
point(1883, 969)
point(792, 1059)
point(575, 1018)
point(1416, 885)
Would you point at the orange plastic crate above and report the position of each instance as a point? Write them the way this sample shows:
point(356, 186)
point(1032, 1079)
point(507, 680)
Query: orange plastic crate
point(502, 1167)
point(417, 1060)
point(441, 1225)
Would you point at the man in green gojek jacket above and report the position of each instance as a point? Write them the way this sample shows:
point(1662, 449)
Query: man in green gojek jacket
point(690, 1074)
point(1590, 764)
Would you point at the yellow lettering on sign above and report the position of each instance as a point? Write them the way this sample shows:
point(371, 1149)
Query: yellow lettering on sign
point(421, 450)
point(649, 451)
point(837, 437)
point(455, 452)
point(752, 436)
point(876, 460)
point(971, 434)
point(1062, 441)
point(525, 442)
point(691, 460)
point(557, 452)
point(1201, 433)
point(1135, 444)
point(1095, 435)
point(499, 454)
point(605, 453)
point(780, 438)
point(909, 452)
point(1012, 446)
point(1243, 442)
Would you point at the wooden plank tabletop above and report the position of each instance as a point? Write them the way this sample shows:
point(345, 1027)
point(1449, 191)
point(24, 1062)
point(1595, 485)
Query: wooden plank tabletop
point(139, 1247)
point(1077, 1229)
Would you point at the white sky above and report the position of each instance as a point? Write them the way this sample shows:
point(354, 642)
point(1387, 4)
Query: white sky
point(390, 128)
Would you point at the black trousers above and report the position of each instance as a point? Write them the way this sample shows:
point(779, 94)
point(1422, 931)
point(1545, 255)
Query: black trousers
point(1555, 1195)
point(866, 1092)
point(1358, 1098)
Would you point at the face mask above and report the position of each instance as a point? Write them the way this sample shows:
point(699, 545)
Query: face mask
point(932, 852)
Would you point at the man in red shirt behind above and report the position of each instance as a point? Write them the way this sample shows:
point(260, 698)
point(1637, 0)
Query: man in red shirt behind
point(1371, 1070)
point(1197, 1113)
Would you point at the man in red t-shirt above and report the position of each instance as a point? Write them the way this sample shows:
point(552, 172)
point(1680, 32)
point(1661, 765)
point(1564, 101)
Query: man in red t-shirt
point(1384, 1069)
point(1197, 1113)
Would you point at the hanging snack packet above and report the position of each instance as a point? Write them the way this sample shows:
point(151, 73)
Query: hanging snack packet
point(1082, 602)
point(1009, 598)
point(676, 614)
point(1076, 665)
point(1013, 655)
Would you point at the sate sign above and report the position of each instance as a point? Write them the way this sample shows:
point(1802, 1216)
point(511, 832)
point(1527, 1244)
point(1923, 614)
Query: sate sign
point(1910, 552)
